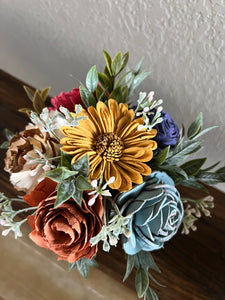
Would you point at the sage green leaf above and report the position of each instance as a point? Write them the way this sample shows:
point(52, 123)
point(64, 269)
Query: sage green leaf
point(192, 167)
point(212, 167)
point(125, 59)
point(72, 266)
point(130, 266)
point(116, 64)
point(30, 92)
point(84, 264)
point(44, 94)
point(161, 157)
point(92, 79)
point(87, 97)
point(66, 159)
point(174, 171)
point(194, 185)
point(141, 282)
point(82, 183)
point(210, 178)
point(121, 79)
point(82, 165)
point(4, 145)
point(108, 61)
point(105, 82)
point(195, 127)
point(147, 261)
point(139, 66)
point(8, 134)
point(117, 94)
point(182, 151)
point(205, 131)
point(77, 196)
point(65, 190)
point(60, 174)
point(139, 78)
point(151, 295)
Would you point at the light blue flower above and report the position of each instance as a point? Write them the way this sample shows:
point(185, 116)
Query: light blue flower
point(156, 213)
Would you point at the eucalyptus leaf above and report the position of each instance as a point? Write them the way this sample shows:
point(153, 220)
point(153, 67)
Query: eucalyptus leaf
point(83, 265)
point(92, 79)
point(141, 282)
point(147, 261)
point(151, 295)
point(161, 157)
point(204, 131)
point(130, 266)
point(195, 127)
point(139, 78)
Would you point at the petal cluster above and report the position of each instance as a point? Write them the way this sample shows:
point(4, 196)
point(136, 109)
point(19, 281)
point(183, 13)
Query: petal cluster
point(116, 148)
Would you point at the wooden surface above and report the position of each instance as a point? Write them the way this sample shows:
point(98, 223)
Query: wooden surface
point(193, 267)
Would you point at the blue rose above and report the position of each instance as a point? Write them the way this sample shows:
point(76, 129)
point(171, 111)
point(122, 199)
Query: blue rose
point(156, 213)
point(167, 131)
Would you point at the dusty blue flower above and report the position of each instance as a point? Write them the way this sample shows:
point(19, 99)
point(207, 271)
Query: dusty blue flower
point(156, 213)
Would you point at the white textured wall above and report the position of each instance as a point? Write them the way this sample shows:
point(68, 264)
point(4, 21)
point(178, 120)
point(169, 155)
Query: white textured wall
point(45, 41)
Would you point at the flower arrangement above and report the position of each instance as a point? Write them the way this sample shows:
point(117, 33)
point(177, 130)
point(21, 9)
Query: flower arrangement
point(97, 170)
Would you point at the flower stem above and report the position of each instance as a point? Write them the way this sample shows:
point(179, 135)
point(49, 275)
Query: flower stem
point(24, 210)
point(114, 205)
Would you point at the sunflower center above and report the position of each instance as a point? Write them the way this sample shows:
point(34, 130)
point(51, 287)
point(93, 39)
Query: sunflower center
point(110, 146)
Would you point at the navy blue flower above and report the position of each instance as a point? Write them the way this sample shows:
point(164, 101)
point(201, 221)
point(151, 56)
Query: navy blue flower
point(167, 131)
point(156, 213)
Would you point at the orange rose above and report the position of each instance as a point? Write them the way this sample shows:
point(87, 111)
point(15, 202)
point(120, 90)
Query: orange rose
point(67, 229)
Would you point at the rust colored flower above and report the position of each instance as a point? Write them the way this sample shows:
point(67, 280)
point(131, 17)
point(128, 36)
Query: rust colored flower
point(67, 229)
point(110, 136)
point(30, 143)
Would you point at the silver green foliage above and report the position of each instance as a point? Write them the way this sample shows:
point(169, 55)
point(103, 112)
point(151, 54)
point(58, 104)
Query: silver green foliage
point(110, 233)
point(8, 214)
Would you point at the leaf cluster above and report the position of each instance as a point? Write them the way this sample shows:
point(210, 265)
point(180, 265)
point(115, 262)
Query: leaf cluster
point(142, 261)
point(38, 99)
point(190, 173)
point(83, 265)
point(72, 179)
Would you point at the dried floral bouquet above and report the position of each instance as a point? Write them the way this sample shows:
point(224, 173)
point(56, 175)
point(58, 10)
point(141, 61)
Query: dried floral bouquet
point(95, 168)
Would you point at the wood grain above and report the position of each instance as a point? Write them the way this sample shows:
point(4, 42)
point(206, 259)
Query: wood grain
point(193, 267)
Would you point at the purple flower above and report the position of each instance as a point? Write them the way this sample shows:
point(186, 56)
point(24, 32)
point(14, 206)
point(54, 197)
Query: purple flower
point(167, 131)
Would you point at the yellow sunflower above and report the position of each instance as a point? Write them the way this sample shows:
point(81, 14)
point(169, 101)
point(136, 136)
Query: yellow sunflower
point(115, 146)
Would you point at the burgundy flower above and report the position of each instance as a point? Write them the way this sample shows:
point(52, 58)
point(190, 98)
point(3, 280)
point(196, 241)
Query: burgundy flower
point(67, 100)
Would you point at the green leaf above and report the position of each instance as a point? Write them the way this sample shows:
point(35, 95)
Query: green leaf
point(220, 170)
point(161, 157)
point(205, 131)
point(175, 172)
point(82, 183)
point(92, 79)
point(65, 190)
point(101, 94)
point(87, 97)
point(30, 92)
point(210, 178)
point(121, 79)
point(139, 78)
point(139, 66)
point(141, 282)
point(4, 145)
point(116, 94)
point(194, 185)
point(38, 103)
point(151, 295)
point(125, 59)
point(8, 134)
point(130, 266)
point(66, 159)
point(72, 266)
point(147, 261)
point(84, 264)
point(182, 151)
point(124, 94)
point(211, 167)
point(116, 64)
point(192, 167)
point(44, 94)
point(77, 196)
point(195, 127)
point(105, 82)
point(108, 61)
point(82, 165)
point(60, 174)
